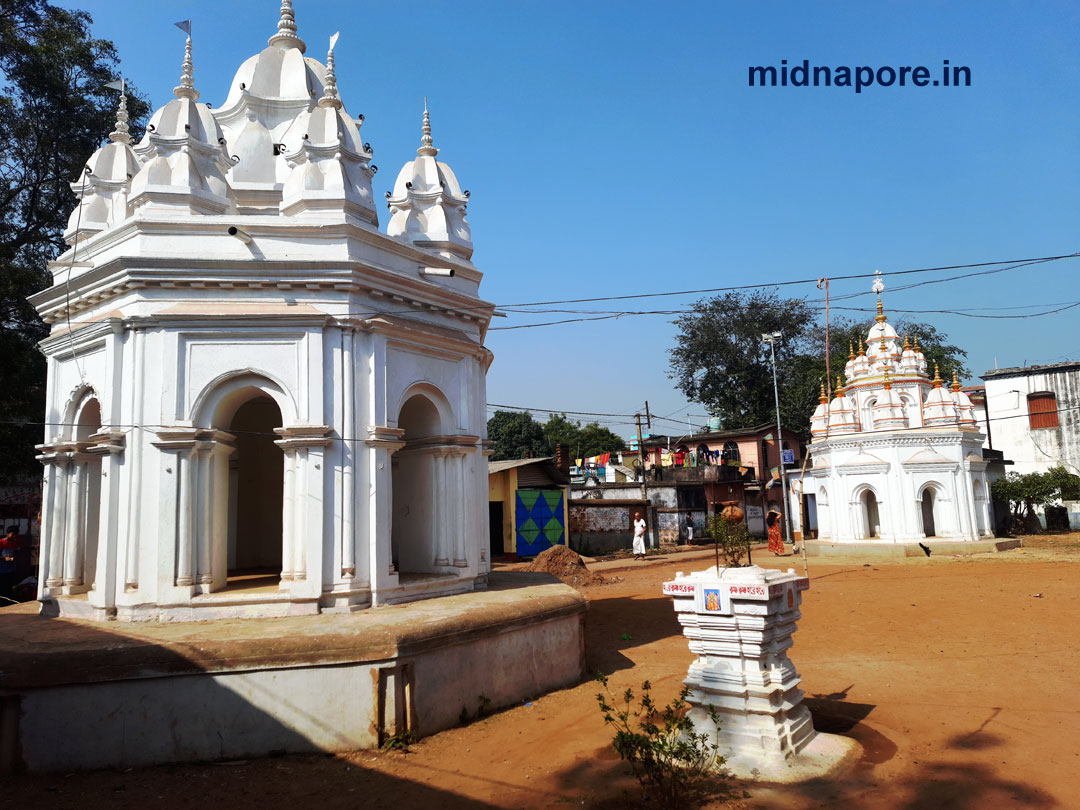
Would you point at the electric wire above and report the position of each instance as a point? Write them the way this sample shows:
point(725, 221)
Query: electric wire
point(131, 427)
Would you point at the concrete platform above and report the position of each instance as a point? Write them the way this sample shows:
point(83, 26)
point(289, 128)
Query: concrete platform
point(824, 756)
point(823, 548)
point(82, 694)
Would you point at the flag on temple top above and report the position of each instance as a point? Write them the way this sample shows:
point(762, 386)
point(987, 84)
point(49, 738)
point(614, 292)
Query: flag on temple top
point(185, 26)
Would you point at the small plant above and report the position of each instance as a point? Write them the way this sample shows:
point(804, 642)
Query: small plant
point(399, 742)
point(670, 760)
point(732, 540)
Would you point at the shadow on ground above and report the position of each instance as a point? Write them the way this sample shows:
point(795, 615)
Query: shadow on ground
point(623, 623)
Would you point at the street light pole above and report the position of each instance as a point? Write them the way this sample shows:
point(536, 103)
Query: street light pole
point(771, 340)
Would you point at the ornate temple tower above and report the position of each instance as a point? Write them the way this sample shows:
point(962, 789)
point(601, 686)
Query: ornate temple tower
point(258, 403)
point(897, 456)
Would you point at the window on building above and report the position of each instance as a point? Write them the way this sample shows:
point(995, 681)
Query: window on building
point(730, 452)
point(1042, 410)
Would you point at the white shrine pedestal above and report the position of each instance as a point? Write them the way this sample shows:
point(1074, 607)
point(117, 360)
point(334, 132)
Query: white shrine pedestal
point(739, 622)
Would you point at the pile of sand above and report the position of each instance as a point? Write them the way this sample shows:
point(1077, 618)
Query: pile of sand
point(567, 565)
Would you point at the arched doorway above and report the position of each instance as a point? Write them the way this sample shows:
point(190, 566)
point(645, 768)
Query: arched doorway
point(871, 514)
point(927, 508)
point(80, 568)
point(256, 478)
point(415, 519)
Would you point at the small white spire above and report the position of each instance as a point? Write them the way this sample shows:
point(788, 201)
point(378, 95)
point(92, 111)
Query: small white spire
point(286, 29)
point(330, 97)
point(426, 143)
point(186, 88)
point(121, 134)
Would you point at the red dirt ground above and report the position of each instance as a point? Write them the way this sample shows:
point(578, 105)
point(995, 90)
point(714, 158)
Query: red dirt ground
point(957, 676)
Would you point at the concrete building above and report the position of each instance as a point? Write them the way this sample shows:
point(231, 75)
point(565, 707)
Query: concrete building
point(725, 466)
point(1031, 414)
point(527, 506)
point(249, 383)
point(897, 457)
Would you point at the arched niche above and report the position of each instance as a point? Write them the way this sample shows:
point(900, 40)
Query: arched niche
point(867, 507)
point(931, 514)
point(217, 403)
point(244, 503)
point(423, 503)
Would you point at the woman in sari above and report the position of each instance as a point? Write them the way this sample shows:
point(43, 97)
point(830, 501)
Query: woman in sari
point(776, 542)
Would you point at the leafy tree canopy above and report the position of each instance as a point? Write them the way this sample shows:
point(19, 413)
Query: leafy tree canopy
point(54, 112)
point(1025, 491)
point(720, 360)
point(518, 435)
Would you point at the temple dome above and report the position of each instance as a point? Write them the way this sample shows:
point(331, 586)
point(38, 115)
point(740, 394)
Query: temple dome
point(183, 155)
point(329, 165)
point(427, 205)
point(102, 190)
point(280, 72)
point(842, 415)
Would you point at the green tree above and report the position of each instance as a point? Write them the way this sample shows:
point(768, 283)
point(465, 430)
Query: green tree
point(590, 440)
point(721, 361)
point(54, 112)
point(560, 430)
point(1026, 491)
point(596, 440)
point(516, 435)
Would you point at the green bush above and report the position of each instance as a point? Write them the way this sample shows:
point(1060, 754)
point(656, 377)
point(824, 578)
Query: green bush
point(732, 540)
point(670, 760)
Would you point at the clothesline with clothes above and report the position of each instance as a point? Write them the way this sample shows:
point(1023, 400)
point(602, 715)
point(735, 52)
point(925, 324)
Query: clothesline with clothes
point(699, 458)
point(601, 460)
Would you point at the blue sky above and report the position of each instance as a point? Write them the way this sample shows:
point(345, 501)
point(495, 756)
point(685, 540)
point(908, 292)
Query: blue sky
point(615, 148)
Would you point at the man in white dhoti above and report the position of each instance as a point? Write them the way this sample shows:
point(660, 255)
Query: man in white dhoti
point(639, 536)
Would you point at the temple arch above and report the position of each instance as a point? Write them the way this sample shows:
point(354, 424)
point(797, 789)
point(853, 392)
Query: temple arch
point(427, 488)
point(931, 517)
point(239, 481)
point(867, 521)
point(216, 404)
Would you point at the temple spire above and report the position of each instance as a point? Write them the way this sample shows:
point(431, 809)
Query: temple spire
point(286, 29)
point(186, 88)
point(937, 377)
point(955, 381)
point(879, 287)
point(120, 133)
point(426, 143)
point(824, 397)
point(839, 386)
point(330, 97)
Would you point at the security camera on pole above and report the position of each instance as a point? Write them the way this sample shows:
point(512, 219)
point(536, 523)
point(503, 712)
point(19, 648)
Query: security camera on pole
point(771, 340)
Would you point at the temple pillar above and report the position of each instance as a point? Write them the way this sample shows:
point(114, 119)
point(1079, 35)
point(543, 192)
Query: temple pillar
point(76, 523)
point(303, 447)
point(382, 442)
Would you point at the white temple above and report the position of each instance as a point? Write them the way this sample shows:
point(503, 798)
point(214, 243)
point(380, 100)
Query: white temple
point(258, 403)
point(897, 456)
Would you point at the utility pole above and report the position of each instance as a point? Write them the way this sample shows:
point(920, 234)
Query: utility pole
point(771, 340)
point(644, 483)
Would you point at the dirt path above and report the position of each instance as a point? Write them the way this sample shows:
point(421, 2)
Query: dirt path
point(956, 678)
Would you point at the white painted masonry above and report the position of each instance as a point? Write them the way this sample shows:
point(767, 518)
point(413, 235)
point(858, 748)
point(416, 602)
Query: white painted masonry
point(897, 457)
point(225, 272)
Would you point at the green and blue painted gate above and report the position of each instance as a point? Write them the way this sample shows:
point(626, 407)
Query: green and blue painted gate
point(539, 520)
